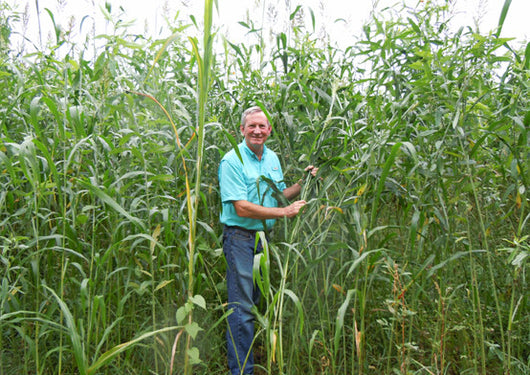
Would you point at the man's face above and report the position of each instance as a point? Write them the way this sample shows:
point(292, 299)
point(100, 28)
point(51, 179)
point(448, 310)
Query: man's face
point(256, 130)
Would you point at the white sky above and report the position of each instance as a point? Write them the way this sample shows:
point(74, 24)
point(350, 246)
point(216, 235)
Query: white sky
point(151, 18)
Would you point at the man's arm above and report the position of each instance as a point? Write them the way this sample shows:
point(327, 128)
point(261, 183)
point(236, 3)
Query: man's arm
point(255, 211)
point(294, 190)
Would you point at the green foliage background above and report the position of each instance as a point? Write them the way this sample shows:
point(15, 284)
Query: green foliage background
point(412, 254)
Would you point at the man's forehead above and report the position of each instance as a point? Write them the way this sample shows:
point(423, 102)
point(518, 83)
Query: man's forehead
point(257, 118)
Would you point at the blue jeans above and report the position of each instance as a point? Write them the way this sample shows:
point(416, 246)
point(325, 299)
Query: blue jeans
point(239, 249)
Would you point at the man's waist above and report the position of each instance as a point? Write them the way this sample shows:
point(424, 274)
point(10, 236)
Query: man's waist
point(242, 229)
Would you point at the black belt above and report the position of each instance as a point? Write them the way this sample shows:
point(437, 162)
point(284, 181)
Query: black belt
point(250, 231)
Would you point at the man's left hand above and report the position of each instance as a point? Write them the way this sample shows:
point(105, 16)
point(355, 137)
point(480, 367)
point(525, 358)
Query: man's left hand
point(313, 170)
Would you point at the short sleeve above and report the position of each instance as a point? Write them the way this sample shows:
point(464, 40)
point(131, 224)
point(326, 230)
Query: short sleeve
point(232, 181)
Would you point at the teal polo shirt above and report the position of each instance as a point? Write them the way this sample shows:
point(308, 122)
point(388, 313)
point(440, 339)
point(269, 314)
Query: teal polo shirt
point(242, 181)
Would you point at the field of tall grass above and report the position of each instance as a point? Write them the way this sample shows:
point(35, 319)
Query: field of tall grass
point(411, 257)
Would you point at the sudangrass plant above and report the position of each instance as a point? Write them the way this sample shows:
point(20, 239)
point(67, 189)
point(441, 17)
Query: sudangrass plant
point(411, 255)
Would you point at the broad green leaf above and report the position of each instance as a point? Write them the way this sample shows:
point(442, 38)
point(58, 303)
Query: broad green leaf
point(339, 320)
point(293, 14)
point(198, 300)
point(73, 333)
point(114, 351)
point(193, 355)
point(193, 329)
point(298, 305)
point(104, 197)
point(182, 313)
point(502, 17)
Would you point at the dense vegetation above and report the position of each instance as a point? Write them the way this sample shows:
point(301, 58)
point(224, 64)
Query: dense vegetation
point(412, 254)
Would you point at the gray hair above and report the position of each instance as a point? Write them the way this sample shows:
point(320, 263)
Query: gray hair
point(250, 111)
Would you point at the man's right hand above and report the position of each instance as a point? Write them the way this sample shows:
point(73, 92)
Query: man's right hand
point(293, 209)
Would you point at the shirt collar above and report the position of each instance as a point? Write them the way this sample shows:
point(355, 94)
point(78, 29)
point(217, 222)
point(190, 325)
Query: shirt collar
point(251, 153)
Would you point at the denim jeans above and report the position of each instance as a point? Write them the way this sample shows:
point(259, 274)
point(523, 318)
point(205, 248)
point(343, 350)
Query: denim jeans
point(239, 249)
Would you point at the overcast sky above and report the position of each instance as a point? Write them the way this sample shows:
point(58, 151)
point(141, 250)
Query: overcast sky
point(338, 20)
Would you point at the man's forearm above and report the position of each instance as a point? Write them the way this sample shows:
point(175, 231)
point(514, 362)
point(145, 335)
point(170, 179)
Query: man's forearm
point(292, 191)
point(255, 211)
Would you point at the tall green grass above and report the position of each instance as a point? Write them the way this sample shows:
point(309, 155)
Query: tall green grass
point(411, 255)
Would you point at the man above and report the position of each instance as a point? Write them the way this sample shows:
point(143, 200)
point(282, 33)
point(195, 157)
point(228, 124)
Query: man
point(248, 204)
